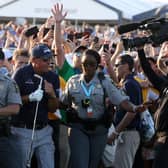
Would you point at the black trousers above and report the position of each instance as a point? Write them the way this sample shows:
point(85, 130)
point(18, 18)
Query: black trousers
point(9, 154)
point(161, 154)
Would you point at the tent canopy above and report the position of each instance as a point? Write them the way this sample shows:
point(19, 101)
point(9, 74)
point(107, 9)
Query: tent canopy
point(77, 10)
point(86, 10)
point(134, 7)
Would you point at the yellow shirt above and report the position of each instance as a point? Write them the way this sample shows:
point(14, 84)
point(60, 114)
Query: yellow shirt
point(52, 116)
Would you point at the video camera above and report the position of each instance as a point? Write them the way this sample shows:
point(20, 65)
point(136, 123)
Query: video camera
point(158, 29)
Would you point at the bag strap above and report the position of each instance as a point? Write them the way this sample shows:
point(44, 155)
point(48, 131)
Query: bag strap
point(101, 77)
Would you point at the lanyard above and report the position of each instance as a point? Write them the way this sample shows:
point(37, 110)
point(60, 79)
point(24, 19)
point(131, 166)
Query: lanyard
point(87, 92)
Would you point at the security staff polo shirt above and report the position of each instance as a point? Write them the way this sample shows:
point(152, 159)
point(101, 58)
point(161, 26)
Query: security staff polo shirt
point(74, 94)
point(9, 92)
point(132, 88)
point(28, 83)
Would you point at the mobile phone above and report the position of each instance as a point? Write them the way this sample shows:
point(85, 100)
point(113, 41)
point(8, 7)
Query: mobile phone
point(70, 37)
point(78, 35)
point(31, 31)
point(45, 31)
point(52, 27)
point(96, 39)
point(105, 47)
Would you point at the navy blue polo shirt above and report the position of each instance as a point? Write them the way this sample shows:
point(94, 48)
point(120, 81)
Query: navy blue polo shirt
point(133, 89)
point(28, 83)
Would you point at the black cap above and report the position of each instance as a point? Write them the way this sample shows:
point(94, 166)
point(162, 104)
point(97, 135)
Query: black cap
point(42, 51)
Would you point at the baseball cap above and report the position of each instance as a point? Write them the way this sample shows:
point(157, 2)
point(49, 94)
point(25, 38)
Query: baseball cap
point(41, 51)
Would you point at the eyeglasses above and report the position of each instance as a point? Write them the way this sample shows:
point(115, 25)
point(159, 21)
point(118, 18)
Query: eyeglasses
point(89, 64)
point(45, 59)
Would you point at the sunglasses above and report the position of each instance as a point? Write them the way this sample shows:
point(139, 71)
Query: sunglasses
point(46, 59)
point(117, 65)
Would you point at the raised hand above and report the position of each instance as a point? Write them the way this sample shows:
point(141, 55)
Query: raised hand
point(57, 11)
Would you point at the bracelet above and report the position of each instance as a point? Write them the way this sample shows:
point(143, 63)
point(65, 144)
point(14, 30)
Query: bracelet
point(116, 133)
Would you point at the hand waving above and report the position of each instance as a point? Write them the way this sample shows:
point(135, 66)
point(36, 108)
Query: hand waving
point(57, 11)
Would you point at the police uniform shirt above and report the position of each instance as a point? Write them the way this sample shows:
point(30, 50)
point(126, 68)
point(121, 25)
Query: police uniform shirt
point(28, 83)
point(9, 91)
point(74, 94)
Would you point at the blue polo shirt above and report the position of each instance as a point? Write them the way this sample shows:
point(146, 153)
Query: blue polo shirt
point(28, 83)
point(132, 88)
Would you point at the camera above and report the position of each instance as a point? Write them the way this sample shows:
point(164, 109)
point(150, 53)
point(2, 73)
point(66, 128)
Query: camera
point(156, 27)
point(85, 103)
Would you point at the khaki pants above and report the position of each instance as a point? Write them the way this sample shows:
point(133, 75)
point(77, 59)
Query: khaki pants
point(127, 145)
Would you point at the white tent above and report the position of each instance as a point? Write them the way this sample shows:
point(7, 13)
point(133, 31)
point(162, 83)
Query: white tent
point(134, 7)
point(77, 9)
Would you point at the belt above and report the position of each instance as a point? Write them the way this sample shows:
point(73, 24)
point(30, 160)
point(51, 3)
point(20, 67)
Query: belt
point(29, 126)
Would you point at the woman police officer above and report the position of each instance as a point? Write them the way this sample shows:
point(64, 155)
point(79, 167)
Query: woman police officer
point(84, 93)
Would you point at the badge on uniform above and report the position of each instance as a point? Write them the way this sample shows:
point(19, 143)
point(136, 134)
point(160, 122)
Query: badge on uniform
point(89, 111)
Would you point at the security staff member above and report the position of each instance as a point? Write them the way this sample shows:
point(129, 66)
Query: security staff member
point(46, 95)
point(10, 102)
point(85, 94)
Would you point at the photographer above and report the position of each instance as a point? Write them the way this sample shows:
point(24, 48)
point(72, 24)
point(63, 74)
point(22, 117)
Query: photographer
point(161, 116)
point(158, 30)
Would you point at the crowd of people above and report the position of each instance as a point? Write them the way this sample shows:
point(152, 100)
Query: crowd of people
point(69, 95)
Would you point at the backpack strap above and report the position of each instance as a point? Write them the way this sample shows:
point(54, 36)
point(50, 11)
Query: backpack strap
point(101, 77)
point(107, 117)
